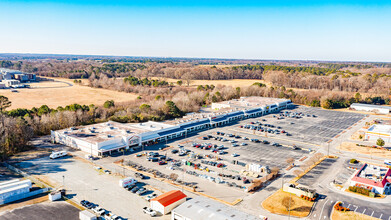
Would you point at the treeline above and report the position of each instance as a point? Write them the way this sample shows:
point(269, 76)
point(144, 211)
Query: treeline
point(134, 81)
point(327, 76)
point(338, 66)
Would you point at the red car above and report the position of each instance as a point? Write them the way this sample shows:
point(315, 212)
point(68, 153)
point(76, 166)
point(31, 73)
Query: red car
point(162, 162)
point(220, 165)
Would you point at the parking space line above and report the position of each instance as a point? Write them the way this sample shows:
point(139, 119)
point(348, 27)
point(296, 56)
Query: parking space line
point(364, 211)
point(355, 208)
point(348, 206)
point(372, 213)
point(381, 215)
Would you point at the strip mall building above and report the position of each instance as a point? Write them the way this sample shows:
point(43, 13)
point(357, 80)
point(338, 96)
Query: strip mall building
point(104, 138)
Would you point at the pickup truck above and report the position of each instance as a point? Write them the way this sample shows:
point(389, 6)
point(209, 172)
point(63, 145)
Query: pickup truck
point(149, 211)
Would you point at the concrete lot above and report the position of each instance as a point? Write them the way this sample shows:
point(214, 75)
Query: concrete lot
point(43, 211)
point(84, 182)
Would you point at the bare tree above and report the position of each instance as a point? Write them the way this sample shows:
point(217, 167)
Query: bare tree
point(287, 202)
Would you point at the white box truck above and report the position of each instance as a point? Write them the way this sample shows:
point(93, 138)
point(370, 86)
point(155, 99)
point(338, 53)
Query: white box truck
point(127, 182)
point(58, 154)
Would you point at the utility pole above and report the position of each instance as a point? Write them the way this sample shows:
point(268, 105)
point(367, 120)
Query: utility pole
point(289, 211)
point(63, 181)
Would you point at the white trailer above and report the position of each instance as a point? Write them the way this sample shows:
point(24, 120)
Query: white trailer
point(127, 182)
point(58, 154)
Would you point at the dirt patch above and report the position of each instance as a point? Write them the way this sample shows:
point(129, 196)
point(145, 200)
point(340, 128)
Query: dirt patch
point(338, 215)
point(301, 207)
point(352, 147)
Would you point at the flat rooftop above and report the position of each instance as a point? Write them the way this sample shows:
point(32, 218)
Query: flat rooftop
point(384, 129)
point(252, 102)
point(102, 131)
point(203, 208)
point(372, 172)
point(150, 125)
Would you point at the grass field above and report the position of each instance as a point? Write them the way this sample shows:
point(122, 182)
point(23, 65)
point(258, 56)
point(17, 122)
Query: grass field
point(301, 207)
point(62, 92)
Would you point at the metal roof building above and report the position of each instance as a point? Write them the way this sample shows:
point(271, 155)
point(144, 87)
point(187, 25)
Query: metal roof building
point(381, 109)
point(203, 208)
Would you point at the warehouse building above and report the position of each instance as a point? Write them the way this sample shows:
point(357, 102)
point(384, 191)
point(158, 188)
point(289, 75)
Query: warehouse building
point(376, 131)
point(168, 201)
point(104, 138)
point(203, 208)
point(374, 178)
point(12, 78)
point(13, 188)
point(379, 109)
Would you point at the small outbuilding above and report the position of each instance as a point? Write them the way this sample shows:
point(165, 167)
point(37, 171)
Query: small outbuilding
point(87, 215)
point(168, 201)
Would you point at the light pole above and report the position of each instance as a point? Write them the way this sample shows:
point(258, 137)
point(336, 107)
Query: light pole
point(63, 181)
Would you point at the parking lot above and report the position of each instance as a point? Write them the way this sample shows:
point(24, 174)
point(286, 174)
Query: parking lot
point(312, 177)
point(314, 126)
point(43, 211)
point(83, 182)
point(376, 211)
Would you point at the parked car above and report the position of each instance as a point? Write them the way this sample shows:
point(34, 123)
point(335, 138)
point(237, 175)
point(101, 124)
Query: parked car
point(149, 211)
point(162, 162)
point(99, 211)
point(243, 144)
point(139, 175)
point(174, 151)
point(234, 155)
point(130, 187)
point(135, 189)
point(149, 197)
point(141, 191)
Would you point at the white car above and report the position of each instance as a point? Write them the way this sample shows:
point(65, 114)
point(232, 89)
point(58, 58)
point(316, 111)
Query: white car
point(149, 211)
point(149, 197)
point(234, 155)
point(99, 211)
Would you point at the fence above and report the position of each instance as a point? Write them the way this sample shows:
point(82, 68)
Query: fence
point(35, 180)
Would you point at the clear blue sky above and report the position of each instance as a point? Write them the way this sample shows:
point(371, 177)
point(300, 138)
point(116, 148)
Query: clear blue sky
point(299, 30)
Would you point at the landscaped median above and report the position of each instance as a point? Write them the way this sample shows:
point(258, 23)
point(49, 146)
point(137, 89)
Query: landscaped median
point(285, 203)
point(341, 213)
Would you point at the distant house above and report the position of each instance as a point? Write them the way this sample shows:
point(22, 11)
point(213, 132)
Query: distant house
point(167, 201)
